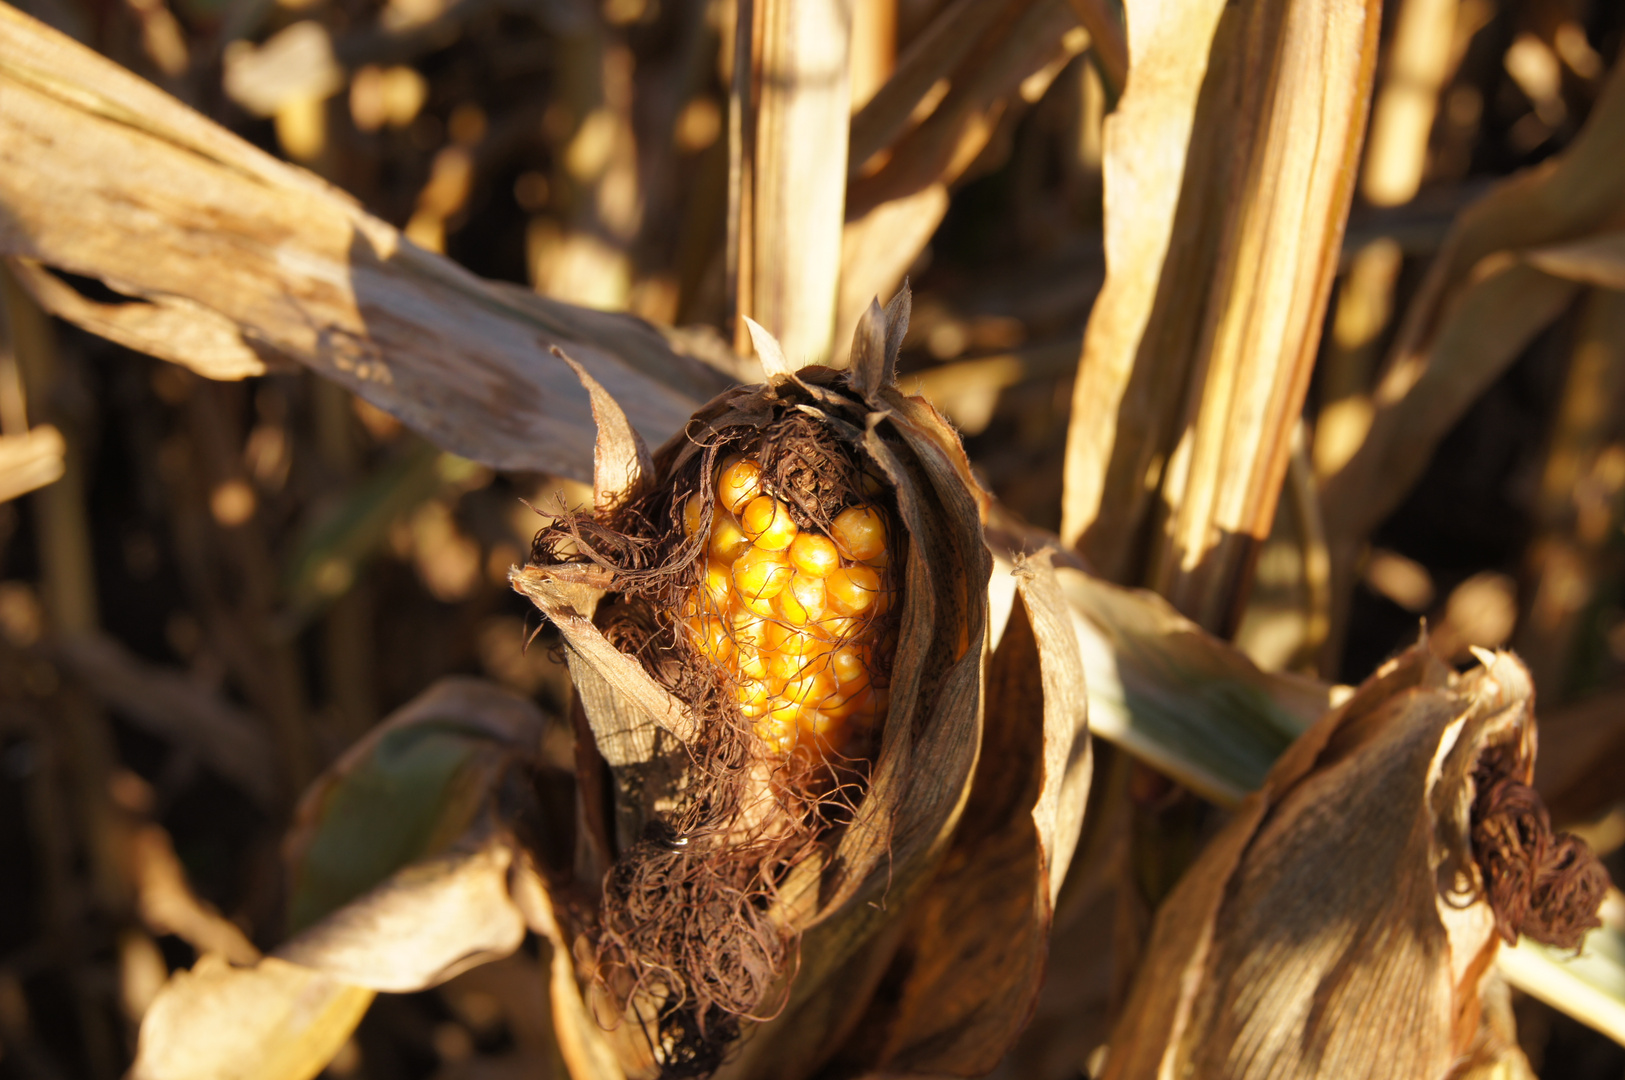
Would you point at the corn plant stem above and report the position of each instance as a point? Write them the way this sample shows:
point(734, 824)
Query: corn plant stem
point(265, 662)
point(741, 175)
point(347, 631)
point(68, 572)
point(1317, 568)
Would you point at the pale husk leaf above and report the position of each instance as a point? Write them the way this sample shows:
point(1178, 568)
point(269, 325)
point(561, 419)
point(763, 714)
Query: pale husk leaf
point(1354, 848)
point(280, 266)
point(400, 854)
point(272, 1021)
point(978, 938)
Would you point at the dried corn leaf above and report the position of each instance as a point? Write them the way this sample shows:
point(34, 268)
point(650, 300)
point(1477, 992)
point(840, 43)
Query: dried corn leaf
point(1507, 269)
point(400, 855)
point(800, 170)
point(971, 962)
point(1226, 195)
point(1357, 846)
point(273, 1021)
point(975, 59)
point(30, 460)
point(1163, 688)
point(294, 269)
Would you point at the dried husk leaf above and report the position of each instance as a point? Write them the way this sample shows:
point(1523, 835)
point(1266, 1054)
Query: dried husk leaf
point(280, 266)
point(1512, 263)
point(272, 1021)
point(849, 900)
point(972, 959)
point(1340, 925)
point(401, 854)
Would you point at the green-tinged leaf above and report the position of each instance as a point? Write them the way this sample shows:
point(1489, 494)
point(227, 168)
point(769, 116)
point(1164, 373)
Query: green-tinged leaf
point(272, 1021)
point(330, 552)
point(1589, 987)
point(1166, 690)
point(400, 855)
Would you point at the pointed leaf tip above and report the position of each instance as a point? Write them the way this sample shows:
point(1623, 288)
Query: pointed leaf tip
point(621, 462)
point(869, 351)
point(774, 362)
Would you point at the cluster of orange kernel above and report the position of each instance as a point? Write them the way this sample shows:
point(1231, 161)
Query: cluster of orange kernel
point(788, 613)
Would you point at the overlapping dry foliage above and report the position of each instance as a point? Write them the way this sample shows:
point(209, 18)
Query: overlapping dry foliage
point(1298, 323)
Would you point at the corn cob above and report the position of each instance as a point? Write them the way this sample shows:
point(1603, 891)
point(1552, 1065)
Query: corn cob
point(789, 615)
point(755, 686)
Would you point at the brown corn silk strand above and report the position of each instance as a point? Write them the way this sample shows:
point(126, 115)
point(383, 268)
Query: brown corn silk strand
point(1543, 885)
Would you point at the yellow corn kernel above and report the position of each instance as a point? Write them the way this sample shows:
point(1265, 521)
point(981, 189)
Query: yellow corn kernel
point(768, 523)
point(757, 632)
point(815, 555)
point(809, 690)
point(847, 701)
point(802, 600)
point(859, 532)
point(728, 540)
point(793, 662)
point(716, 589)
point(693, 514)
point(738, 483)
point(848, 664)
point(780, 718)
point(872, 484)
point(711, 637)
point(832, 627)
point(751, 662)
point(852, 590)
point(753, 697)
point(761, 575)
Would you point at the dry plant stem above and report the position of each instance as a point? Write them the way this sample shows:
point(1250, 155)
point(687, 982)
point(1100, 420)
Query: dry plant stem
point(62, 538)
point(283, 266)
point(1482, 302)
point(1581, 500)
point(741, 236)
point(273, 676)
point(1250, 370)
point(799, 170)
point(1418, 69)
point(984, 60)
point(175, 708)
point(1207, 234)
point(1107, 38)
point(347, 630)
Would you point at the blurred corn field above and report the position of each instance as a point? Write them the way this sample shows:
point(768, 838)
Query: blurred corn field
point(1286, 344)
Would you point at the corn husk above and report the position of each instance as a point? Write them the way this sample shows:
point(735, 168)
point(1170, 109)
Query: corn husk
point(405, 869)
point(1343, 922)
point(897, 872)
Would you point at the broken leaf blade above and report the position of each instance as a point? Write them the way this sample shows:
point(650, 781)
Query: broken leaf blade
point(272, 1021)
